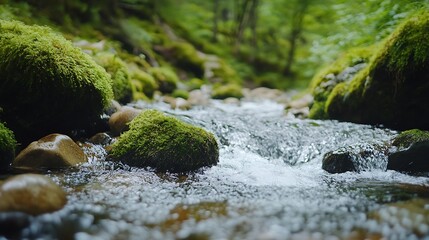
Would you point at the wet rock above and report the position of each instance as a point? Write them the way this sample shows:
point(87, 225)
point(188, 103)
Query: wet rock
point(338, 162)
point(32, 194)
point(113, 107)
point(263, 93)
point(199, 97)
point(412, 160)
point(356, 158)
point(11, 224)
point(118, 122)
point(177, 103)
point(101, 139)
point(166, 144)
point(54, 151)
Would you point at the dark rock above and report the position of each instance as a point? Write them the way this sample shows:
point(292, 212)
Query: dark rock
point(32, 194)
point(54, 151)
point(11, 224)
point(412, 160)
point(356, 158)
point(338, 162)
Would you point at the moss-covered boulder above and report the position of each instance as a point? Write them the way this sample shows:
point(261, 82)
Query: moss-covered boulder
point(166, 79)
point(7, 147)
point(165, 143)
point(406, 138)
point(46, 84)
point(341, 70)
point(186, 57)
point(121, 82)
point(227, 91)
point(412, 152)
point(180, 93)
point(392, 89)
point(144, 83)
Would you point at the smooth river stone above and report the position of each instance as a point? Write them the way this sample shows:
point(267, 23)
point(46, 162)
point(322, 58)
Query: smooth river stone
point(118, 122)
point(32, 194)
point(54, 151)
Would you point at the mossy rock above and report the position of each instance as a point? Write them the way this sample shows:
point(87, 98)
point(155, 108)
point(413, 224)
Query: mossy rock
point(194, 83)
point(180, 93)
point(342, 70)
point(46, 84)
point(144, 82)
point(227, 91)
point(407, 138)
point(7, 147)
point(412, 151)
point(185, 56)
point(224, 73)
point(412, 160)
point(392, 89)
point(165, 143)
point(118, 71)
point(166, 78)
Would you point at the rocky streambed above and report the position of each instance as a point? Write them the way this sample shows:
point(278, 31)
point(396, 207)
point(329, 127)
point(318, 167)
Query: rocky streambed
point(268, 184)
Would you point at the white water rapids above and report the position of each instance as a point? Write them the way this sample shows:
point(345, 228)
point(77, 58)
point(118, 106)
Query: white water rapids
point(268, 184)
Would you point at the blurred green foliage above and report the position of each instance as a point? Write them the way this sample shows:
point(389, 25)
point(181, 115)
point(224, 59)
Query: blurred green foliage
point(273, 43)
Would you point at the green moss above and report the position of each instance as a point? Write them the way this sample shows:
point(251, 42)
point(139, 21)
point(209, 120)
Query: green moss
point(46, 84)
point(407, 138)
point(194, 83)
point(180, 93)
point(166, 79)
point(392, 89)
point(119, 73)
point(326, 80)
point(147, 83)
point(226, 91)
point(165, 143)
point(7, 147)
point(185, 56)
point(224, 73)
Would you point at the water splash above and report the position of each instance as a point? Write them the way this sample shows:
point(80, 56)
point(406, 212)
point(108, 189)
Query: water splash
point(268, 185)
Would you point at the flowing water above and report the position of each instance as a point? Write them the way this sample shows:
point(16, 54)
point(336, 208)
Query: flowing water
point(268, 184)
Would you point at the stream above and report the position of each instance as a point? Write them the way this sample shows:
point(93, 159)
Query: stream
point(268, 184)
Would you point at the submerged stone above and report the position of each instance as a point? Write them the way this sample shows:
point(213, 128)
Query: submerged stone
point(46, 84)
point(32, 194)
point(166, 144)
point(54, 151)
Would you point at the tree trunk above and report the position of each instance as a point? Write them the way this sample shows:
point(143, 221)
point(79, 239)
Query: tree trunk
point(253, 24)
point(215, 19)
point(296, 30)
